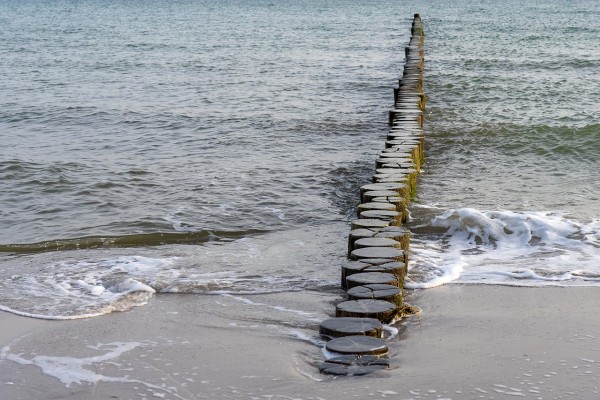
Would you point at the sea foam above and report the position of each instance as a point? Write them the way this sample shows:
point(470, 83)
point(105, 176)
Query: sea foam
point(89, 283)
point(505, 247)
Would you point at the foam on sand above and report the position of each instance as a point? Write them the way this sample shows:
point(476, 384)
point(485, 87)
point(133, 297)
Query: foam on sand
point(74, 370)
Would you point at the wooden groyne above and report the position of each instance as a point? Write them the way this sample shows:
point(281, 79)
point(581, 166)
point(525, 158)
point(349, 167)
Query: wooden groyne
point(378, 244)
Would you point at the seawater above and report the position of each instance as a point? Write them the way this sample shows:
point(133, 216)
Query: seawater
point(218, 148)
point(511, 190)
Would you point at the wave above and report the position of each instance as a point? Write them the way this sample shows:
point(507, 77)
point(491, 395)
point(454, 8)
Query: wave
point(527, 138)
point(134, 240)
point(89, 283)
point(467, 245)
point(67, 290)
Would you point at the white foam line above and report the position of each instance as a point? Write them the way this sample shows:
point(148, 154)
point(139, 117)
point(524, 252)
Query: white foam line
point(50, 317)
point(530, 274)
point(524, 283)
point(231, 292)
point(306, 374)
point(448, 276)
point(392, 330)
point(278, 308)
point(298, 334)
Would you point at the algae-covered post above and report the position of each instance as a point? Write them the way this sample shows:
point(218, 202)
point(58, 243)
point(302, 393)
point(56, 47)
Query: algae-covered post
point(378, 243)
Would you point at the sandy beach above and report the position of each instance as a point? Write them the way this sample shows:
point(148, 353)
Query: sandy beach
point(471, 342)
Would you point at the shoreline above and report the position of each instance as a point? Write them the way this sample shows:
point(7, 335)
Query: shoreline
point(472, 341)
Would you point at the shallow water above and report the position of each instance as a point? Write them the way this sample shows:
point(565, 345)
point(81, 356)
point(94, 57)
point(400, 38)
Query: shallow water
point(130, 129)
point(512, 134)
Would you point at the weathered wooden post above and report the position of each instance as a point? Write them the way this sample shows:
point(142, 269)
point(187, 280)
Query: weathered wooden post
point(378, 244)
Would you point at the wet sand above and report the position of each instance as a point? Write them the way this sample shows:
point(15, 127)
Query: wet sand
point(472, 342)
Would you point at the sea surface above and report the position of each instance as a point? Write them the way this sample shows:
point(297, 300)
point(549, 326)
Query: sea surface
point(217, 148)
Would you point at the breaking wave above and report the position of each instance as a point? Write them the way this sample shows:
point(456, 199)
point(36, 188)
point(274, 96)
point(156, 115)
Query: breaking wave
point(467, 245)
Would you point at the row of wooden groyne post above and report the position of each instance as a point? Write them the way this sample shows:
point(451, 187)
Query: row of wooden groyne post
point(378, 244)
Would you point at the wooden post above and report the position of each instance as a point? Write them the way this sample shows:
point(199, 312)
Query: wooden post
point(378, 243)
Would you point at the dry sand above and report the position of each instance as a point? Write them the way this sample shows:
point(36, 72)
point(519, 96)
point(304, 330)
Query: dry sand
point(472, 342)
